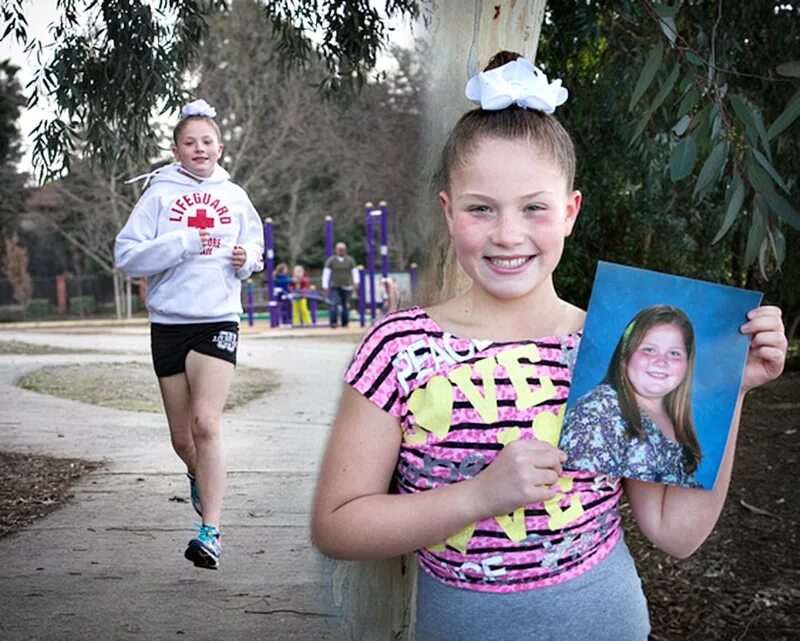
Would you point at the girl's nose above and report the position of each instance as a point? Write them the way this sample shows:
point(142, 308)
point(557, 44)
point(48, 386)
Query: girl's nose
point(660, 359)
point(506, 232)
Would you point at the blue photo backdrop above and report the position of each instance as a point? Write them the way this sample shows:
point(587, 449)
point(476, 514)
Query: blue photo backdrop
point(716, 311)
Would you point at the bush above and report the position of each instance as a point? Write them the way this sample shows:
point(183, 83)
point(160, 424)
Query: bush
point(38, 307)
point(11, 314)
point(82, 305)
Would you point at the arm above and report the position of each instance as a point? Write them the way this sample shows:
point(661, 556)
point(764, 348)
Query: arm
point(677, 519)
point(355, 276)
point(354, 517)
point(248, 253)
point(326, 278)
point(138, 251)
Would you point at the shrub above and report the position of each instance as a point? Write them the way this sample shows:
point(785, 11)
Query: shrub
point(82, 305)
point(38, 307)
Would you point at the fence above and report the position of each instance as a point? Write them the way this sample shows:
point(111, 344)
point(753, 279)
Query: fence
point(58, 295)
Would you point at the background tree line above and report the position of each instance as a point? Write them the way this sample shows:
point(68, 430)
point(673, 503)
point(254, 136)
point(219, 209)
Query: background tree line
point(684, 117)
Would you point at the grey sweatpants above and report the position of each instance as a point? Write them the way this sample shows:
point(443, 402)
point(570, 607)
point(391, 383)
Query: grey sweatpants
point(605, 603)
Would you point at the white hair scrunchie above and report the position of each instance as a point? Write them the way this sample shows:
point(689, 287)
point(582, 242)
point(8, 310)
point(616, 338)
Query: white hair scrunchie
point(198, 107)
point(518, 82)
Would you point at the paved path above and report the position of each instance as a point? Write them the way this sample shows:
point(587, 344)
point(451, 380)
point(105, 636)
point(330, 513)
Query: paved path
point(109, 564)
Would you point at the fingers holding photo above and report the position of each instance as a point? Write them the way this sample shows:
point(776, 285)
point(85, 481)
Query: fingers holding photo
point(768, 346)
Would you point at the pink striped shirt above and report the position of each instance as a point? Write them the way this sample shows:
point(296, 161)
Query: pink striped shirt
point(458, 402)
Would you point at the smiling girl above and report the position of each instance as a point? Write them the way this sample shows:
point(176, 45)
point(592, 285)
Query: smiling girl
point(444, 442)
point(196, 236)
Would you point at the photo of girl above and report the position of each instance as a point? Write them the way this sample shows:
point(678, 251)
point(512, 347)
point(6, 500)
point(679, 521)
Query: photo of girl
point(656, 377)
point(637, 423)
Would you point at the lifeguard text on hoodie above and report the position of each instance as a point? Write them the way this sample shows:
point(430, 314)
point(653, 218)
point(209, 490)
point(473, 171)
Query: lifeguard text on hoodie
point(185, 282)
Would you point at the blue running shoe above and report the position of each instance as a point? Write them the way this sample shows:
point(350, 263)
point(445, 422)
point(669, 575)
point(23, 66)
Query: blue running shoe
point(194, 493)
point(205, 550)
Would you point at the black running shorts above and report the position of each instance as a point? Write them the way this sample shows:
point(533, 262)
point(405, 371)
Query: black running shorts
point(171, 343)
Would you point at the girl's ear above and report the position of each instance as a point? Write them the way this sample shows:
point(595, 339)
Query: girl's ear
point(447, 208)
point(573, 207)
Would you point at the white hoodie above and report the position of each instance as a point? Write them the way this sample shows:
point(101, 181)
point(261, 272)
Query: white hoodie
point(187, 284)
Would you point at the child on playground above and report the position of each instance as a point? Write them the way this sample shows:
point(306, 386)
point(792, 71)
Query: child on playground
point(638, 422)
point(457, 408)
point(300, 284)
point(283, 282)
point(195, 235)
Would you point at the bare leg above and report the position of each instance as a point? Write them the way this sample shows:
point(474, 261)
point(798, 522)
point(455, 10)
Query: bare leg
point(209, 380)
point(177, 404)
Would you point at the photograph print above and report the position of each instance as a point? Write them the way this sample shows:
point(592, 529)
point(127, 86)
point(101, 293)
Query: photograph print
point(657, 377)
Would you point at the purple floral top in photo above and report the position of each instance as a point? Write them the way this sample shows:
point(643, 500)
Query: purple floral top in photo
point(594, 437)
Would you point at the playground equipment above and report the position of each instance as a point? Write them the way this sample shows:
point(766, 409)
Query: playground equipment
point(279, 304)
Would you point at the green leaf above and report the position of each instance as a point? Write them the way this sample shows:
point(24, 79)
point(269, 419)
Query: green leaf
point(736, 193)
point(759, 178)
point(683, 157)
point(702, 127)
point(758, 230)
point(716, 122)
point(665, 11)
point(745, 115)
point(669, 83)
point(694, 59)
point(762, 256)
point(790, 69)
point(669, 28)
point(682, 125)
point(689, 100)
point(778, 242)
point(648, 74)
point(712, 166)
point(787, 117)
point(767, 165)
point(783, 209)
point(666, 15)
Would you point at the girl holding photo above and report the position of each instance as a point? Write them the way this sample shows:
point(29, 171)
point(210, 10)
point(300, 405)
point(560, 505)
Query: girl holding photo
point(445, 439)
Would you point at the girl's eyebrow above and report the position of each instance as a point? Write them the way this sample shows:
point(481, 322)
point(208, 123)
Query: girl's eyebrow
point(475, 194)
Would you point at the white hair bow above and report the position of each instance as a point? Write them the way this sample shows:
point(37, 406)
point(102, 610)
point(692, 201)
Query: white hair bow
point(198, 107)
point(518, 82)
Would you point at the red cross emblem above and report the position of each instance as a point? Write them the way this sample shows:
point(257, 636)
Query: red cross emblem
point(201, 220)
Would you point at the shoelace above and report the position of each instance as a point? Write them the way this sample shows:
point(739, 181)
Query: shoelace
point(207, 532)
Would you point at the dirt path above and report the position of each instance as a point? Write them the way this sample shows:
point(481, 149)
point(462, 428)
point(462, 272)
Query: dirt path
point(743, 584)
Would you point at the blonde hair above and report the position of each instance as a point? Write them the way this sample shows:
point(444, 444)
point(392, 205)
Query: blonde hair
point(182, 124)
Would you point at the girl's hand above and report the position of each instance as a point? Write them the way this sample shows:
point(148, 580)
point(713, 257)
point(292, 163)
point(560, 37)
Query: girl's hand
point(205, 237)
point(768, 346)
point(239, 257)
point(524, 472)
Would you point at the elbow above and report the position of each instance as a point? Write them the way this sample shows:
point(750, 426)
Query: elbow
point(678, 547)
point(680, 552)
point(325, 539)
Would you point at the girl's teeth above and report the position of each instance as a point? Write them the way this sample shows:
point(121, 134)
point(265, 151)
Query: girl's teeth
point(508, 263)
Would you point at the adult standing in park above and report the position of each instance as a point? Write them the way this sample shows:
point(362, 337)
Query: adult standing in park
point(339, 276)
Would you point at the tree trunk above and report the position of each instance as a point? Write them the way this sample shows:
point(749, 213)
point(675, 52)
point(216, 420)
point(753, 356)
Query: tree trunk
point(461, 38)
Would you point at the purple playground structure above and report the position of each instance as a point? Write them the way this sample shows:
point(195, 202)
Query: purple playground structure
point(279, 305)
